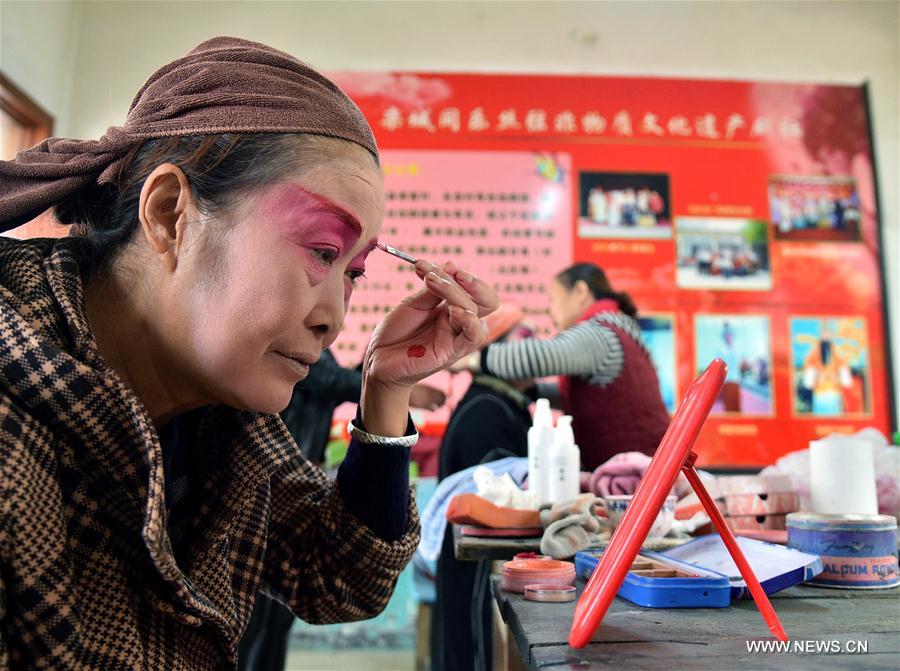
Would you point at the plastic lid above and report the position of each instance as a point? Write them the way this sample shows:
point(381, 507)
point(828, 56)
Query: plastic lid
point(852, 521)
point(542, 414)
point(550, 593)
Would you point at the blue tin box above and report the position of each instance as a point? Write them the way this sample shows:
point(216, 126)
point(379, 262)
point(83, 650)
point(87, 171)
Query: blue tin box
point(701, 573)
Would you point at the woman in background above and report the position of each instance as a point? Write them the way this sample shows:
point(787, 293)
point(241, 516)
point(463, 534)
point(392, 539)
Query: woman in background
point(608, 382)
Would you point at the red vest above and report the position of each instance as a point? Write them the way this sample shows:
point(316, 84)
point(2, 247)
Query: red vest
point(626, 415)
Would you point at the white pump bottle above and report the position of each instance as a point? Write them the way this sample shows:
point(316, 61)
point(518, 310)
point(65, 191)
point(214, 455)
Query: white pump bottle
point(540, 442)
point(565, 463)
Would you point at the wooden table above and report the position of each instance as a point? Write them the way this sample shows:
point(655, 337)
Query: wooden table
point(473, 548)
point(713, 639)
point(496, 550)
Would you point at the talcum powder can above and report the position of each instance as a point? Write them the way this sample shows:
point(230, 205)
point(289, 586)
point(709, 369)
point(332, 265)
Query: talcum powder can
point(858, 551)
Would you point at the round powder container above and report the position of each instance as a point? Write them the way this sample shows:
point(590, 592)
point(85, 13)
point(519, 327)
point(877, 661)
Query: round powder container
point(858, 551)
point(518, 573)
point(550, 593)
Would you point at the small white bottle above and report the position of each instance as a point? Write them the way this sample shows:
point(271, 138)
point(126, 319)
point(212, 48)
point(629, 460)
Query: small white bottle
point(540, 442)
point(565, 463)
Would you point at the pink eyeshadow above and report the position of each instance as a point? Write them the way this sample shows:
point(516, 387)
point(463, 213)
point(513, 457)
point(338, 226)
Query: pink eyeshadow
point(308, 218)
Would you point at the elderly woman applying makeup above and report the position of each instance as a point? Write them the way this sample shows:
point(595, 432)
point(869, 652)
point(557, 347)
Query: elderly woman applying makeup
point(149, 489)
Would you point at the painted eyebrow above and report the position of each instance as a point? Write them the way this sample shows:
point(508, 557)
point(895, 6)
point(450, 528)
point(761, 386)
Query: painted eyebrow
point(330, 206)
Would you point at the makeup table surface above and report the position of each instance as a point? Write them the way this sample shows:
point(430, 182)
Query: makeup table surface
point(713, 639)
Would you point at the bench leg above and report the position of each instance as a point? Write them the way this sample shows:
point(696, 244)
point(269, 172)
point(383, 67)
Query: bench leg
point(505, 653)
point(423, 638)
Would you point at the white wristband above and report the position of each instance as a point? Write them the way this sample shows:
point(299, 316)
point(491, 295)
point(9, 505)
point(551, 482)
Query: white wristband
point(372, 439)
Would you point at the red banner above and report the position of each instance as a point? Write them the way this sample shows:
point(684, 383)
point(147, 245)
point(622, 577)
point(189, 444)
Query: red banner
point(740, 216)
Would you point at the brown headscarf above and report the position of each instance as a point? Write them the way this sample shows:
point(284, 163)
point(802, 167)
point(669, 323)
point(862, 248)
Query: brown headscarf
point(225, 85)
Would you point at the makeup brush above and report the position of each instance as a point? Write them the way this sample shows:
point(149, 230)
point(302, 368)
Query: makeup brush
point(395, 252)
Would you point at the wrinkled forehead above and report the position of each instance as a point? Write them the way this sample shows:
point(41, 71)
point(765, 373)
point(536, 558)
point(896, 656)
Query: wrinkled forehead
point(353, 184)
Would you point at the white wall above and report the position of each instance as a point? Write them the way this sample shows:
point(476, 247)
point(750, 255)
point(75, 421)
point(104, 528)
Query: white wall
point(119, 43)
point(38, 41)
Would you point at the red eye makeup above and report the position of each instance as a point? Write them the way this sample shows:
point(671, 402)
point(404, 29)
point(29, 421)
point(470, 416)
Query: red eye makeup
point(309, 219)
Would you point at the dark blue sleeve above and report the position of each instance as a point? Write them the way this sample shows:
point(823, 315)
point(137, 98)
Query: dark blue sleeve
point(374, 483)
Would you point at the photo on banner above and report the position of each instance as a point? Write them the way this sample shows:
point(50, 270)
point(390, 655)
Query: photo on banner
point(744, 343)
point(830, 365)
point(722, 253)
point(658, 332)
point(624, 205)
point(815, 209)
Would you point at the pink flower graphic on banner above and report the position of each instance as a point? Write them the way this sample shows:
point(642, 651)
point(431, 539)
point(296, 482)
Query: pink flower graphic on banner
point(407, 91)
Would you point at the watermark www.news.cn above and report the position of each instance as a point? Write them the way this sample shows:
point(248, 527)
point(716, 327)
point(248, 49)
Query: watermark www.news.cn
point(827, 647)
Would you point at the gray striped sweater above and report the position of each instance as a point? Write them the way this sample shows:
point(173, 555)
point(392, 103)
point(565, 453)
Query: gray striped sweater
point(589, 349)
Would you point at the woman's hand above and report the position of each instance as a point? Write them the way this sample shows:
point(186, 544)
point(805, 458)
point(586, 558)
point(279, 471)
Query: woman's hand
point(432, 328)
point(424, 334)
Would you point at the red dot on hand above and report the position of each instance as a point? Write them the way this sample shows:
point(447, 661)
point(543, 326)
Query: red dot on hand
point(415, 352)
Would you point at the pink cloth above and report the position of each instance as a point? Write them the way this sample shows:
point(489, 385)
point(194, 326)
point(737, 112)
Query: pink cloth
point(888, 494)
point(620, 475)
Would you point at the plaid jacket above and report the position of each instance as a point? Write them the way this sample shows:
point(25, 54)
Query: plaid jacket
point(87, 575)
